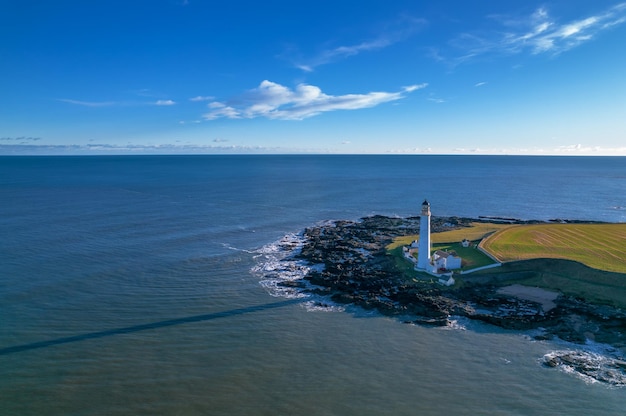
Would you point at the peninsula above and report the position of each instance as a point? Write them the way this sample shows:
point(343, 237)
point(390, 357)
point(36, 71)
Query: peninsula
point(364, 263)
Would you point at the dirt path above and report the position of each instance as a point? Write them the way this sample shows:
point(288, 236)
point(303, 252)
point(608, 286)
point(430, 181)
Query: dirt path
point(534, 294)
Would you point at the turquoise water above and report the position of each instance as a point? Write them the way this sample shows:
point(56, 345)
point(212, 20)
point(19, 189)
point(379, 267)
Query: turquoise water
point(131, 285)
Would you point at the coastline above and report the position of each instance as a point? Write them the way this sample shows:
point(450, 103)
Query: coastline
point(346, 263)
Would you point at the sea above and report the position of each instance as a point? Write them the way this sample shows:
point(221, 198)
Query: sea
point(146, 285)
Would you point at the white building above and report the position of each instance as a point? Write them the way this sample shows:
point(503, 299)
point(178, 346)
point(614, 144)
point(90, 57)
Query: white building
point(440, 261)
point(446, 280)
point(423, 253)
point(446, 260)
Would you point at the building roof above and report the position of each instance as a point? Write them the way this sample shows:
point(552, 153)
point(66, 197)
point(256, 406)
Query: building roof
point(445, 254)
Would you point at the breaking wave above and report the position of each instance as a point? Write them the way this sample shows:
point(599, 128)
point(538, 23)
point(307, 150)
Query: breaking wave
point(282, 275)
point(595, 364)
point(457, 323)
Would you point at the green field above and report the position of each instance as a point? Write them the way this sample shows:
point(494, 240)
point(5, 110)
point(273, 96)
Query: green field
point(581, 260)
point(600, 246)
point(477, 231)
point(451, 240)
point(566, 276)
point(471, 257)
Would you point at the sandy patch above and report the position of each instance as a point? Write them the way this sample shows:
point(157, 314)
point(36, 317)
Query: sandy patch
point(534, 294)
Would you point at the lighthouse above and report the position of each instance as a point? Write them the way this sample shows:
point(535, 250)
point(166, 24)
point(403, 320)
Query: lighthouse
point(423, 250)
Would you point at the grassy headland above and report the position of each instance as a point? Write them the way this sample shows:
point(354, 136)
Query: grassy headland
point(568, 277)
point(364, 267)
point(477, 231)
point(577, 259)
point(450, 240)
point(600, 246)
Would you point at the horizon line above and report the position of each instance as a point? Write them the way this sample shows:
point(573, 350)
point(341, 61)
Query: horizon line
point(94, 154)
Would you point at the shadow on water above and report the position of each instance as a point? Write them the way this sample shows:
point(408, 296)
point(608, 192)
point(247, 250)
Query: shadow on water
point(145, 327)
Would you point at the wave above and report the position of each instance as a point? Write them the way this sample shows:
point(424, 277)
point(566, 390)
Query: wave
point(593, 363)
point(229, 247)
point(457, 323)
point(589, 366)
point(282, 274)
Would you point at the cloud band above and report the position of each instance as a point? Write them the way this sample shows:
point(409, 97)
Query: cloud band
point(275, 101)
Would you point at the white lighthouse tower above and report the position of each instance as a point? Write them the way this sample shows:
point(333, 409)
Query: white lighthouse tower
point(423, 250)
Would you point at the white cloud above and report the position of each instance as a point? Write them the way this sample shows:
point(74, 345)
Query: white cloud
point(116, 103)
point(415, 87)
point(398, 31)
point(219, 110)
point(546, 35)
point(88, 103)
point(275, 101)
point(480, 84)
point(165, 148)
point(570, 150)
point(539, 33)
point(331, 55)
point(219, 146)
point(582, 149)
point(20, 139)
point(202, 98)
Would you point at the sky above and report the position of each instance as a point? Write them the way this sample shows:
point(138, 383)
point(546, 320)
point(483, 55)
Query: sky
point(348, 77)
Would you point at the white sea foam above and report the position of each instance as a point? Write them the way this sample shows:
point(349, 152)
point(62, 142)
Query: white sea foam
point(589, 365)
point(599, 362)
point(323, 305)
point(458, 323)
point(229, 247)
point(277, 266)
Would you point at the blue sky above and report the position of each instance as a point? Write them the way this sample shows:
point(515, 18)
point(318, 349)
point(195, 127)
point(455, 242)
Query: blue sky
point(399, 76)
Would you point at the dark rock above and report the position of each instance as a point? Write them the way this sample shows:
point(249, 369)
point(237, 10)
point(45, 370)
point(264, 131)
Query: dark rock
point(358, 271)
point(609, 370)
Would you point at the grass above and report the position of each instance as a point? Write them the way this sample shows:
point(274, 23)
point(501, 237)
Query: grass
point(451, 240)
point(581, 260)
point(477, 231)
point(600, 246)
point(569, 277)
point(471, 257)
point(402, 265)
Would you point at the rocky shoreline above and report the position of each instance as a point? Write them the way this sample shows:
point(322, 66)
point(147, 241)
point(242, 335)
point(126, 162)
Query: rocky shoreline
point(353, 267)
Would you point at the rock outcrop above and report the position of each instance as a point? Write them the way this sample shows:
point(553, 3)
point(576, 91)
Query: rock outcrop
point(357, 270)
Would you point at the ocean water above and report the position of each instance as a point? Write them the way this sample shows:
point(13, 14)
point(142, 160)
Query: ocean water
point(142, 285)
